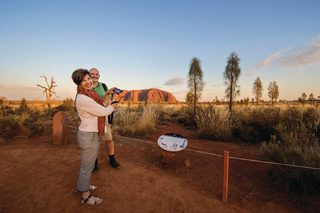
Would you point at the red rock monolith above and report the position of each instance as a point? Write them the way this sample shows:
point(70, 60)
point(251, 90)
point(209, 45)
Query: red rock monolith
point(60, 128)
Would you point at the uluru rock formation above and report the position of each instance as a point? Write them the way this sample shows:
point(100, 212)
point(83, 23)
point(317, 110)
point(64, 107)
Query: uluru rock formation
point(150, 95)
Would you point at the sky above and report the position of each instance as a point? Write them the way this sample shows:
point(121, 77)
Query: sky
point(145, 44)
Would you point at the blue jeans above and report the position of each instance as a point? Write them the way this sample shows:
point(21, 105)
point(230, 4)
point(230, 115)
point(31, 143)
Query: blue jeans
point(89, 143)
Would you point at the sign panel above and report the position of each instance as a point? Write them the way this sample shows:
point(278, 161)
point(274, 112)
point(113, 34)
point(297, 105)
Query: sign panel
point(172, 142)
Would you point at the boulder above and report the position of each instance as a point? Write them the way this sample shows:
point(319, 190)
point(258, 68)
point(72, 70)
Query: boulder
point(60, 128)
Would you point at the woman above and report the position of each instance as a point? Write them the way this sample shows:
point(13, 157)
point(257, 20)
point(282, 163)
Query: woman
point(92, 110)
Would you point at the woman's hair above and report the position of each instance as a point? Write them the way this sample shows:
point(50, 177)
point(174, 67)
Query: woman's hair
point(78, 75)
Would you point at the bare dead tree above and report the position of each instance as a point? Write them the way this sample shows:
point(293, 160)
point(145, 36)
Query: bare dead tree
point(49, 90)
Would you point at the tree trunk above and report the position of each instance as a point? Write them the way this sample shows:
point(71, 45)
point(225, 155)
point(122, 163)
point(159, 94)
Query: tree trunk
point(195, 96)
point(230, 104)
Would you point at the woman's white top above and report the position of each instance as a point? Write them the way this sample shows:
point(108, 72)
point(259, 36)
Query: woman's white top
point(89, 111)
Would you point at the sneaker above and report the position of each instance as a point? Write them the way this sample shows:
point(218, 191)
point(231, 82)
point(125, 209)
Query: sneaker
point(114, 164)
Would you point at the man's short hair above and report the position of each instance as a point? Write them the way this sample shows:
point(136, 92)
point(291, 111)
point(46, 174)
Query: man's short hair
point(94, 69)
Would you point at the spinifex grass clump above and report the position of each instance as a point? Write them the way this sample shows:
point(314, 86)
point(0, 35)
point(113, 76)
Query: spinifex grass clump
point(138, 122)
point(186, 116)
point(169, 113)
point(295, 153)
point(24, 124)
point(214, 123)
point(256, 124)
point(29, 120)
point(12, 125)
point(296, 143)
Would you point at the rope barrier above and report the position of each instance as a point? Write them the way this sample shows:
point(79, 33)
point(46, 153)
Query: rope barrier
point(280, 164)
point(235, 158)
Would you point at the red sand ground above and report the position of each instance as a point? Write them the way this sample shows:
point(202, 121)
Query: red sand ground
point(37, 176)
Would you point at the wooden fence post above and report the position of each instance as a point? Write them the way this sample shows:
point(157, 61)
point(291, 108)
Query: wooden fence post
point(225, 176)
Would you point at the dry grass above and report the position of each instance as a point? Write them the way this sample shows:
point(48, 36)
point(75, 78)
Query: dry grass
point(288, 133)
point(136, 122)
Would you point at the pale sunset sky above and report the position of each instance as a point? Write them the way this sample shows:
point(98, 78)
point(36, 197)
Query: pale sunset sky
point(143, 44)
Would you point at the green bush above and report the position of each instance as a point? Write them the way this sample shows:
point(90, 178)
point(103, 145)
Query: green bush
point(12, 125)
point(291, 178)
point(25, 121)
point(257, 124)
point(214, 123)
point(6, 110)
point(68, 102)
point(296, 143)
point(187, 116)
point(23, 105)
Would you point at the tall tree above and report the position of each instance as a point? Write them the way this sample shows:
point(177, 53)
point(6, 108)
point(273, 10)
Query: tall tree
point(49, 90)
point(304, 96)
point(257, 89)
point(273, 91)
point(231, 76)
point(190, 97)
point(311, 97)
point(195, 81)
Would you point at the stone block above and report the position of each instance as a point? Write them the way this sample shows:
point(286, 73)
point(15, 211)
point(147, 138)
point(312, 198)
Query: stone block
point(60, 128)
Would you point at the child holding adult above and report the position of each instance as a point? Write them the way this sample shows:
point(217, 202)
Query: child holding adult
point(92, 110)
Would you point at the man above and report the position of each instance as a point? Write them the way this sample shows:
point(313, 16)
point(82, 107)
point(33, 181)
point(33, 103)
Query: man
point(101, 89)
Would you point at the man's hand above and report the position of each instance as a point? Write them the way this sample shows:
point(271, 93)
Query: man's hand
point(110, 91)
point(120, 96)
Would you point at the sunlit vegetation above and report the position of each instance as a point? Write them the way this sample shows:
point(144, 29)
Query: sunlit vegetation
point(287, 132)
point(29, 118)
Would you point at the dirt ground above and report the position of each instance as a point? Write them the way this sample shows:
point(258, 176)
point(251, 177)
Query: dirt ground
point(37, 176)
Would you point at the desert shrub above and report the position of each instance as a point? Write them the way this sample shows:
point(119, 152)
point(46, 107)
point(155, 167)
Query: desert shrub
point(50, 112)
point(23, 105)
point(295, 153)
point(311, 118)
point(295, 118)
point(66, 106)
point(68, 102)
point(186, 116)
point(24, 121)
point(12, 125)
point(297, 143)
point(214, 123)
point(136, 123)
point(24, 124)
point(169, 114)
point(37, 124)
point(6, 110)
point(298, 124)
point(163, 116)
point(256, 124)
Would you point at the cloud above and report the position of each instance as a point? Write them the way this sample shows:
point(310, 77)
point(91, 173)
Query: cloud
point(249, 73)
point(176, 81)
point(267, 62)
point(307, 56)
point(297, 72)
point(19, 87)
point(293, 73)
